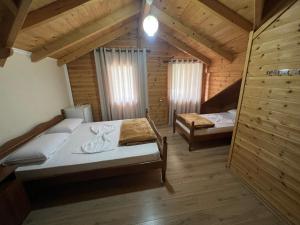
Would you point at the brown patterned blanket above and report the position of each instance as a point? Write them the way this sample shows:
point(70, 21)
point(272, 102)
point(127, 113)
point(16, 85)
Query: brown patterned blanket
point(200, 121)
point(136, 131)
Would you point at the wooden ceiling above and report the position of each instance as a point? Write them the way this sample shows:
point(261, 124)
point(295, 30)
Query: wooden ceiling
point(66, 29)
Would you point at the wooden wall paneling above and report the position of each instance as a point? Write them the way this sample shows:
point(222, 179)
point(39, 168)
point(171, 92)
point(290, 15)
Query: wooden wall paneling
point(225, 100)
point(160, 51)
point(222, 74)
point(271, 20)
point(96, 42)
point(83, 81)
point(249, 47)
point(265, 147)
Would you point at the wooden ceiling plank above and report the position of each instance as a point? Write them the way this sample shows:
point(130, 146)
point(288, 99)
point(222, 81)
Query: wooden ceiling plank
point(102, 40)
point(258, 11)
point(145, 10)
point(85, 32)
point(183, 47)
point(50, 12)
point(226, 13)
point(16, 25)
point(189, 33)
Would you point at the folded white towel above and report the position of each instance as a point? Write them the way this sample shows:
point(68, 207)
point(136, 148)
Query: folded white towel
point(101, 142)
point(94, 130)
point(103, 129)
point(98, 144)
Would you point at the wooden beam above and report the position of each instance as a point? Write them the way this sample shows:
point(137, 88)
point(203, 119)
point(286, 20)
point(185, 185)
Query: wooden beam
point(145, 10)
point(258, 11)
point(244, 76)
point(183, 47)
point(102, 40)
point(16, 23)
point(226, 13)
point(10, 4)
point(189, 33)
point(85, 32)
point(50, 12)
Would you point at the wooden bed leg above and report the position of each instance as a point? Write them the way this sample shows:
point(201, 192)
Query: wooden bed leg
point(192, 132)
point(163, 175)
point(190, 147)
point(147, 113)
point(164, 157)
point(174, 121)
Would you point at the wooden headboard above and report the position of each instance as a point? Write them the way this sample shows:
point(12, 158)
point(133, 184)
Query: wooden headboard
point(223, 101)
point(15, 143)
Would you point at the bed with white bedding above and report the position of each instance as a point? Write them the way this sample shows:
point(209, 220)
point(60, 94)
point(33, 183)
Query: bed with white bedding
point(70, 158)
point(223, 128)
point(73, 159)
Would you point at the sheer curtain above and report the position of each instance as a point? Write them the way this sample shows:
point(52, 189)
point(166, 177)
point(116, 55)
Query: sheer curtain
point(185, 82)
point(122, 81)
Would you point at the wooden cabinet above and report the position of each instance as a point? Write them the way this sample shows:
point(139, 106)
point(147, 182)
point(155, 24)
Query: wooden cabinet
point(14, 203)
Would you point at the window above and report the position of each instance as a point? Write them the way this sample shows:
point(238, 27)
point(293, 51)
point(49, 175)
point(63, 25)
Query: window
point(185, 82)
point(122, 80)
point(122, 84)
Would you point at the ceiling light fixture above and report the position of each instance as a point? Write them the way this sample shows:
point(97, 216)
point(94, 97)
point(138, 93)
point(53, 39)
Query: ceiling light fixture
point(150, 25)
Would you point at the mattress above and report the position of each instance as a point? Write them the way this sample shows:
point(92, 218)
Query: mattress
point(69, 158)
point(224, 122)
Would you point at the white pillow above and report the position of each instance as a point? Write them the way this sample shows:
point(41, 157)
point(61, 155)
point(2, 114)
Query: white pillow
point(65, 126)
point(38, 150)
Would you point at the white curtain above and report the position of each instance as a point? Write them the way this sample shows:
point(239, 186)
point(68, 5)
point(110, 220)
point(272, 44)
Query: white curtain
point(122, 81)
point(185, 83)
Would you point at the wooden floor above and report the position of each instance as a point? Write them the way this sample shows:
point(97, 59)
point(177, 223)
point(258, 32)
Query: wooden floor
point(200, 190)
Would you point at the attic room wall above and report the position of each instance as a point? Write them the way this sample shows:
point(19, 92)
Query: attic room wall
point(83, 81)
point(265, 150)
point(30, 93)
point(223, 73)
point(157, 75)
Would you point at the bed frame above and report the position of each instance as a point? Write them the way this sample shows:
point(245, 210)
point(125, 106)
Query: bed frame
point(193, 139)
point(15, 143)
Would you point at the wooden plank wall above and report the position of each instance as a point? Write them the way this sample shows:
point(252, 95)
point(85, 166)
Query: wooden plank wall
point(222, 73)
point(266, 148)
point(82, 74)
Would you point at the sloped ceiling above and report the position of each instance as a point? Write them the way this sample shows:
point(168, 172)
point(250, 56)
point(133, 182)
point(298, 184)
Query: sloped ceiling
point(189, 12)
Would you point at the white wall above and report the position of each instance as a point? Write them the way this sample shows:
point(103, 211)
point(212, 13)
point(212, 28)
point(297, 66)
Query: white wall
point(30, 93)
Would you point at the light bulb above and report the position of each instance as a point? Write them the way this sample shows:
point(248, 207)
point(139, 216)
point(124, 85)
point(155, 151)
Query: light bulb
point(150, 25)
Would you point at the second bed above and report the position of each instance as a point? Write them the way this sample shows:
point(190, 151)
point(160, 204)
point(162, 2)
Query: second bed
point(222, 129)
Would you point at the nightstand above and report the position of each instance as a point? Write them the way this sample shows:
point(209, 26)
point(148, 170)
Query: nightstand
point(14, 203)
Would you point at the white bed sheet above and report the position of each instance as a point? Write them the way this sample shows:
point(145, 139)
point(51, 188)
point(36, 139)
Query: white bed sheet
point(70, 159)
point(224, 122)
